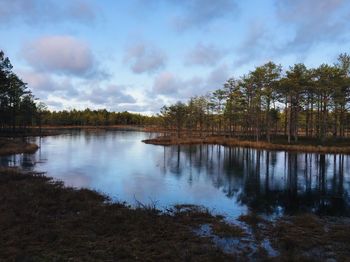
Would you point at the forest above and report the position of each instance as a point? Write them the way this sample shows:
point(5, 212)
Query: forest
point(269, 102)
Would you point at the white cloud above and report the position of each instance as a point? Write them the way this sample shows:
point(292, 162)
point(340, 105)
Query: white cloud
point(108, 96)
point(144, 57)
point(172, 87)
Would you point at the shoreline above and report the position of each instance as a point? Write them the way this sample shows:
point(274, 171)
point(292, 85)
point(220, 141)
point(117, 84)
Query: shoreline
point(65, 223)
point(233, 142)
point(16, 146)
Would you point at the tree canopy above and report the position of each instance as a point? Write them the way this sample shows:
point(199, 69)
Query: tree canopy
point(270, 101)
point(17, 104)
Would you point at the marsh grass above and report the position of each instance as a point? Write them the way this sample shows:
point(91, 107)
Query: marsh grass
point(312, 238)
point(279, 145)
point(225, 230)
point(16, 146)
point(303, 237)
point(251, 219)
point(41, 220)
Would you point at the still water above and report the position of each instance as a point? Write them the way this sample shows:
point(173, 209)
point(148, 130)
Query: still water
point(226, 180)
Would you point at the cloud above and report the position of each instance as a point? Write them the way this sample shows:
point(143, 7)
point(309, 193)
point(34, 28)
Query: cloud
point(294, 28)
point(60, 54)
point(48, 89)
point(108, 96)
point(144, 57)
point(37, 82)
point(167, 83)
point(173, 87)
point(46, 11)
point(82, 11)
point(255, 43)
point(204, 55)
point(54, 105)
point(217, 77)
point(314, 21)
point(200, 13)
point(152, 107)
point(43, 85)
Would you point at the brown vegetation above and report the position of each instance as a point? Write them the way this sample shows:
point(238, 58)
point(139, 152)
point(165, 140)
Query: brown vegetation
point(42, 220)
point(16, 146)
point(220, 140)
point(313, 238)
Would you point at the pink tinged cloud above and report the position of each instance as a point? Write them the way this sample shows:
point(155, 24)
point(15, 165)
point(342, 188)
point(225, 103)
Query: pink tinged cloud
point(60, 54)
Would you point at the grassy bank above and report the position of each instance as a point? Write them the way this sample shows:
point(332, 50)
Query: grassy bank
point(16, 146)
point(41, 220)
point(278, 145)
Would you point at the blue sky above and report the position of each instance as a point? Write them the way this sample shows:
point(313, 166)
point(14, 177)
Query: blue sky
point(138, 55)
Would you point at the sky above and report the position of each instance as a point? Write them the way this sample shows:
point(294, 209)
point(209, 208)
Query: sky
point(139, 55)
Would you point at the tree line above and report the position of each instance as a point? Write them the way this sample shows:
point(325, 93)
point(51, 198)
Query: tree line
point(269, 102)
point(100, 117)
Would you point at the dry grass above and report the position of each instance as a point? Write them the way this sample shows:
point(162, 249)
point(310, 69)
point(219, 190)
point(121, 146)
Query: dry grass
point(224, 230)
point(16, 146)
point(166, 141)
point(41, 220)
point(307, 237)
point(196, 215)
point(251, 219)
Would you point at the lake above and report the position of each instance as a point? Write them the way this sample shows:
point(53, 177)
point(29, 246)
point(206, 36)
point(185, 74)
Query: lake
point(229, 181)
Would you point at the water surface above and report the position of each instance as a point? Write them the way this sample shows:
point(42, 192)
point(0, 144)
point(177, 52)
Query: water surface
point(225, 180)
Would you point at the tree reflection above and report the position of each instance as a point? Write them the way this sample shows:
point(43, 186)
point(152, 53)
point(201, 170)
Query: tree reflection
point(268, 182)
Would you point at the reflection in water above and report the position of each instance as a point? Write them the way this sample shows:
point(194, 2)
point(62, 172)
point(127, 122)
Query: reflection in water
point(269, 182)
point(224, 179)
